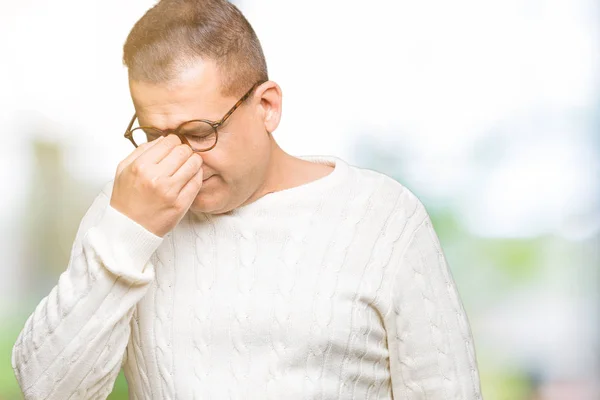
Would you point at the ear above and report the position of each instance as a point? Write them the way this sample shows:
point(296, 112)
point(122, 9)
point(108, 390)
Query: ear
point(269, 94)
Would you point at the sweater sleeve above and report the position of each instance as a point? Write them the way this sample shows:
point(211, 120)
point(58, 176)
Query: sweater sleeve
point(73, 344)
point(431, 350)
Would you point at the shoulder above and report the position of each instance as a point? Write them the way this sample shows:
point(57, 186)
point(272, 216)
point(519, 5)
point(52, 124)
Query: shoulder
point(388, 194)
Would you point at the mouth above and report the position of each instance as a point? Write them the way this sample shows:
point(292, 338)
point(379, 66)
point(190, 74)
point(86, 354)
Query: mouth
point(204, 180)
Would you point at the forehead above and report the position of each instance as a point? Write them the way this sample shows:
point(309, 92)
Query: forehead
point(195, 93)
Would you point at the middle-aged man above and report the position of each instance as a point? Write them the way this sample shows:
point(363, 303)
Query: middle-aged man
point(217, 266)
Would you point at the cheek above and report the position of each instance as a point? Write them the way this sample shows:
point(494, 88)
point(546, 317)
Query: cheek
point(237, 154)
point(238, 147)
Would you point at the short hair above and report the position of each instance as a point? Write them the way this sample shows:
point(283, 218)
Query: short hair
point(174, 34)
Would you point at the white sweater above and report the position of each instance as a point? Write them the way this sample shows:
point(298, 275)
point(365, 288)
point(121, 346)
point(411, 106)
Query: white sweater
point(336, 289)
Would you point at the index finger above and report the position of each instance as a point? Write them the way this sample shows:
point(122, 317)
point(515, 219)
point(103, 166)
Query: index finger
point(164, 144)
point(155, 154)
point(138, 151)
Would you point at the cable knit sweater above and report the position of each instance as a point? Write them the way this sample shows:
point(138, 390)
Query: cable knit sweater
point(336, 289)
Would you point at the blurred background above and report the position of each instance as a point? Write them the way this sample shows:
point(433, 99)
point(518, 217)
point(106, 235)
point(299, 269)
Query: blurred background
point(488, 110)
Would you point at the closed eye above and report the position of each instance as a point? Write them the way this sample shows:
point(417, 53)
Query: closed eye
point(196, 129)
point(198, 134)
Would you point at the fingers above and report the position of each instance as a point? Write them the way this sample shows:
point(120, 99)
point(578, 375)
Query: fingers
point(137, 153)
point(190, 190)
point(178, 156)
point(155, 154)
point(188, 170)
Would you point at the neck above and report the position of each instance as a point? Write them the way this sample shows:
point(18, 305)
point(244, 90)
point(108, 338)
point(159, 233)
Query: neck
point(278, 174)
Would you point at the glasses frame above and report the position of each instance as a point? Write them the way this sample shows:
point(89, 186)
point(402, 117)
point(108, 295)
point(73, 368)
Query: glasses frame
point(213, 124)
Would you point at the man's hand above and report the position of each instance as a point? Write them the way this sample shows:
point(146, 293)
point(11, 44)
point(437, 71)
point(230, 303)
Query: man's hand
point(157, 183)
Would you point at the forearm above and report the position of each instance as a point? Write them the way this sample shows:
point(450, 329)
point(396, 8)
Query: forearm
point(76, 337)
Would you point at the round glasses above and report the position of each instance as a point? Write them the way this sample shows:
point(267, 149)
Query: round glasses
point(200, 135)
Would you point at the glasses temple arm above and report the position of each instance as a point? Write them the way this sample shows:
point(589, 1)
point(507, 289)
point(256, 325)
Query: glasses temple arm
point(131, 123)
point(257, 84)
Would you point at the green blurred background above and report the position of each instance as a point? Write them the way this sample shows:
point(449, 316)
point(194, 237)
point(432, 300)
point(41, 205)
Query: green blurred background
point(487, 110)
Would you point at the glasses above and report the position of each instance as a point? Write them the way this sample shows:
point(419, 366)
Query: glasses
point(200, 134)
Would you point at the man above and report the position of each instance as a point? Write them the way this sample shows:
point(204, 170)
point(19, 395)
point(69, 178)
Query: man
point(218, 266)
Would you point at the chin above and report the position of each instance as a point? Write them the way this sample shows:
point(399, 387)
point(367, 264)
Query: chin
point(208, 203)
point(200, 205)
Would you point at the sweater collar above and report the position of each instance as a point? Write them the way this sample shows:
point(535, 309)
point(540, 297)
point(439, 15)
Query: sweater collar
point(316, 188)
